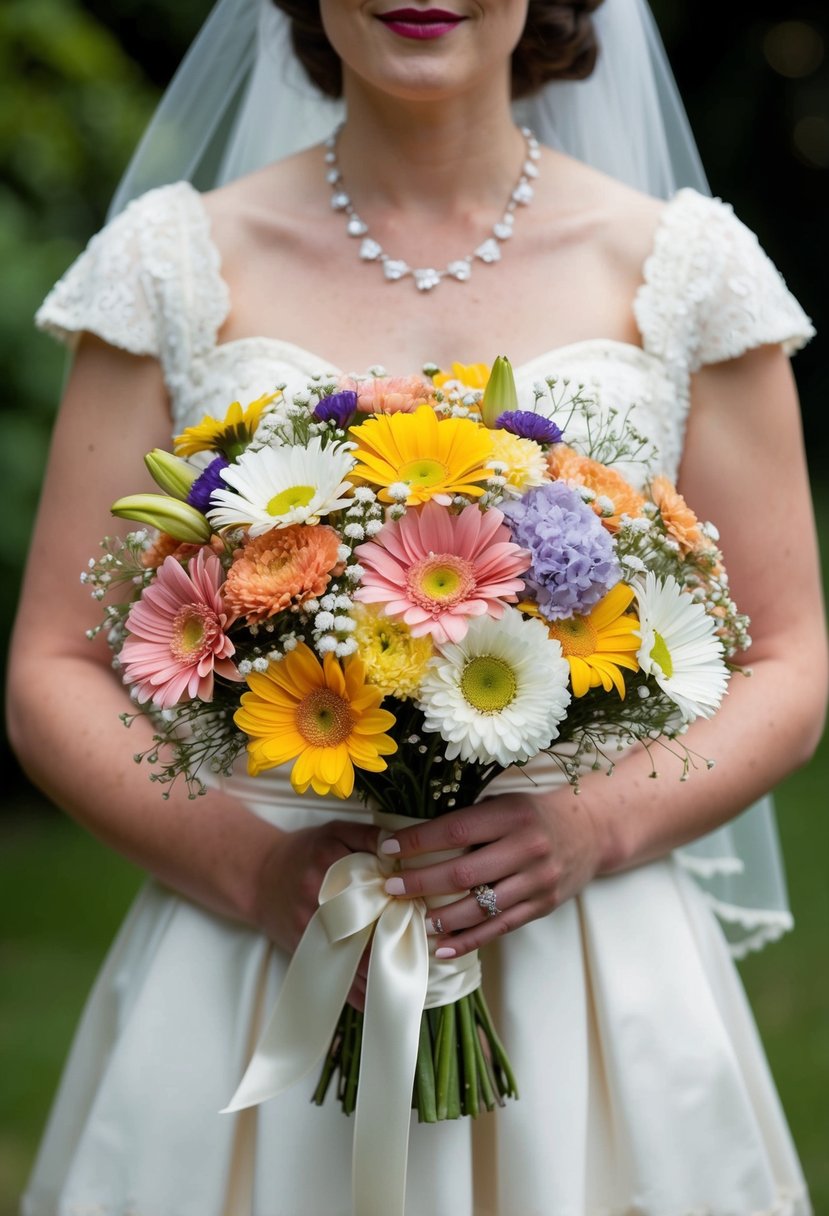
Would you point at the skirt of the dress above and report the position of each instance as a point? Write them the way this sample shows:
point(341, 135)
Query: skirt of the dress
point(644, 1090)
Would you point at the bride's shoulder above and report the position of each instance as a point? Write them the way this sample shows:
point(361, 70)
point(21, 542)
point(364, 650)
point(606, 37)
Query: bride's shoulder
point(619, 223)
point(265, 207)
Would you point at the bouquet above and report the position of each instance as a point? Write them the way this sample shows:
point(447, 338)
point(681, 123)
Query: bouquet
point(401, 588)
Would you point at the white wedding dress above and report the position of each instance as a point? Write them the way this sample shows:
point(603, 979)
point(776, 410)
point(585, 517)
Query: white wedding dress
point(644, 1088)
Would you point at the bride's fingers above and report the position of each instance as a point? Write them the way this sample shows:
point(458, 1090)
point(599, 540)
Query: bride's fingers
point(474, 825)
point(486, 931)
point(466, 912)
point(486, 864)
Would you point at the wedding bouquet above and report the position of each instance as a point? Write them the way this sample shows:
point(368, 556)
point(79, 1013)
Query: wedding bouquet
point(401, 588)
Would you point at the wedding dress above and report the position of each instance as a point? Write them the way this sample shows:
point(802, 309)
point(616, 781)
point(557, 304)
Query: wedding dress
point(644, 1090)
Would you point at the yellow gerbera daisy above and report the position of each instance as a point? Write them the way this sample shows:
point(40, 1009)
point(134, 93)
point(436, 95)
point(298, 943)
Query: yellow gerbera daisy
point(597, 645)
point(230, 434)
point(323, 716)
point(435, 457)
point(470, 375)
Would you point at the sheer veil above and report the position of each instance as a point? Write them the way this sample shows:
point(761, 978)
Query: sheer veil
point(240, 100)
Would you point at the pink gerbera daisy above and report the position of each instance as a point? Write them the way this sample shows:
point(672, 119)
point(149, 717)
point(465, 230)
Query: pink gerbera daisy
point(177, 634)
point(435, 570)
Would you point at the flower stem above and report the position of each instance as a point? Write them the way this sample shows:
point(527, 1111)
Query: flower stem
point(425, 1075)
point(470, 1103)
point(350, 1098)
point(445, 1053)
point(505, 1078)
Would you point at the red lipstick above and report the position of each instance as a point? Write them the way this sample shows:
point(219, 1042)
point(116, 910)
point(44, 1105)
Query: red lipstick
point(420, 23)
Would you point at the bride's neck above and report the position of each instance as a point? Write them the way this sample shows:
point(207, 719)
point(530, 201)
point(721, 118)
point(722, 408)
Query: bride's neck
point(429, 157)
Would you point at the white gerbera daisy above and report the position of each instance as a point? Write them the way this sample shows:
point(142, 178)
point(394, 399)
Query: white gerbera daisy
point(679, 647)
point(499, 694)
point(277, 487)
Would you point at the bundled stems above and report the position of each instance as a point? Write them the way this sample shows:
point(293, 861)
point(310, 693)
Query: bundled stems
point(461, 1068)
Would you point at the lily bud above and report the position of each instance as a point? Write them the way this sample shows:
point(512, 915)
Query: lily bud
point(176, 518)
point(500, 393)
point(170, 472)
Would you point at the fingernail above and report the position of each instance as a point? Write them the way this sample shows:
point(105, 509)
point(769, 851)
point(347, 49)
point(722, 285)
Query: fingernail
point(395, 886)
point(445, 952)
point(390, 846)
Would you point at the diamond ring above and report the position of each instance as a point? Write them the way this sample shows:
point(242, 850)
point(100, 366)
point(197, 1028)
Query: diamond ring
point(485, 896)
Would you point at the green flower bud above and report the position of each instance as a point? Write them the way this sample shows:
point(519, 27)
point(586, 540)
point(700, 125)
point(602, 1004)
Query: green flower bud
point(173, 474)
point(500, 393)
point(169, 515)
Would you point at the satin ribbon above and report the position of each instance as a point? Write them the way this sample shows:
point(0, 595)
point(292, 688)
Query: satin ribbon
point(402, 981)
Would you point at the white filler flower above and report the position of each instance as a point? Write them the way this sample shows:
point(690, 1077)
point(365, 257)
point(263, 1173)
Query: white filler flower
point(500, 693)
point(277, 487)
point(679, 647)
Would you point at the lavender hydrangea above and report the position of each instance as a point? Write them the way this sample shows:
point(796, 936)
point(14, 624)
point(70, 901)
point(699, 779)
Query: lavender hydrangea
point(208, 481)
point(527, 425)
point(337, 408)
point(573, 561)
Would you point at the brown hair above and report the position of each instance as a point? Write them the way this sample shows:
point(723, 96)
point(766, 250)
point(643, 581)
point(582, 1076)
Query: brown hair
point(558, 43)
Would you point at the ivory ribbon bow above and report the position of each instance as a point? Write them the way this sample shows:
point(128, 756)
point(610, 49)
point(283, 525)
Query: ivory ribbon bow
point(402, 981)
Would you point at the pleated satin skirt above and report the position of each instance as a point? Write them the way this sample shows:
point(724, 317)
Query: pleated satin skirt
point(644, 1090)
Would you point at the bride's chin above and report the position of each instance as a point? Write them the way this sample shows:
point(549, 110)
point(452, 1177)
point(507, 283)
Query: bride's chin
point(423, 82)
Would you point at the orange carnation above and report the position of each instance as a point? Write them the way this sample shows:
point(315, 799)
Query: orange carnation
point(680, 521)
point(567, 465)
point(279, 569)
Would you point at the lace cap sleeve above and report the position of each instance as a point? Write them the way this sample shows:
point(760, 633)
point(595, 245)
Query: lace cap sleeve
point(148, 282)
point(710, 292)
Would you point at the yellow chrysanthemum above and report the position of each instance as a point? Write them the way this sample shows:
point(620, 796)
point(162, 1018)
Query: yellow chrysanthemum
point(470, 375)
point(395, 662)
point(435, 457)
point(230, 434)
point(597, 645)
point(526, 464)
point(323, 716)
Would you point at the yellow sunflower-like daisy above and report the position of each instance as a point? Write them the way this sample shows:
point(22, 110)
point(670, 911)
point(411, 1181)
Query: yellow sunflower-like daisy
point(230, 434)
point(434, 457)
point(322, 716)
point(597, 645)
point(470, 375)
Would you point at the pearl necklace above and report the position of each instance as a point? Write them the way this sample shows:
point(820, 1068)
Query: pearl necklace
point(489, 251)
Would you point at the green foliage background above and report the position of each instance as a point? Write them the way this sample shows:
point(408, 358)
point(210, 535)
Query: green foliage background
point(77, 84)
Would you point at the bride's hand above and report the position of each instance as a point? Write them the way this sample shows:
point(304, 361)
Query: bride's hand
point(291, 875)
point(534, 850)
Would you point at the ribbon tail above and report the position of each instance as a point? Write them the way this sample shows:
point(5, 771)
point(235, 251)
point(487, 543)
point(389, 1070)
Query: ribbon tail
point(395, 994)
point(305, 1015)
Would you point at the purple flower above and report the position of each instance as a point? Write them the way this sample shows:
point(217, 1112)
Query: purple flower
point(208, 481)
point(337, 408)
point(573, 561)
point(527, 425)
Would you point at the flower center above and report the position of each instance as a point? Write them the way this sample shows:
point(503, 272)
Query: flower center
point(441, 580)
point(324, 719)
point(661, 655)
point(488, 684)
point(287, 500)
point(577, 636)
point(423, 472)
point(194, 630)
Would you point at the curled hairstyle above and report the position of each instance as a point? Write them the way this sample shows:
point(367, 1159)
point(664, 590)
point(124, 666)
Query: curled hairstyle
point(558, 43)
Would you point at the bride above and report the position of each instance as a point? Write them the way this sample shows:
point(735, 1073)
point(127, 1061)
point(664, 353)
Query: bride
point(643, 1085)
